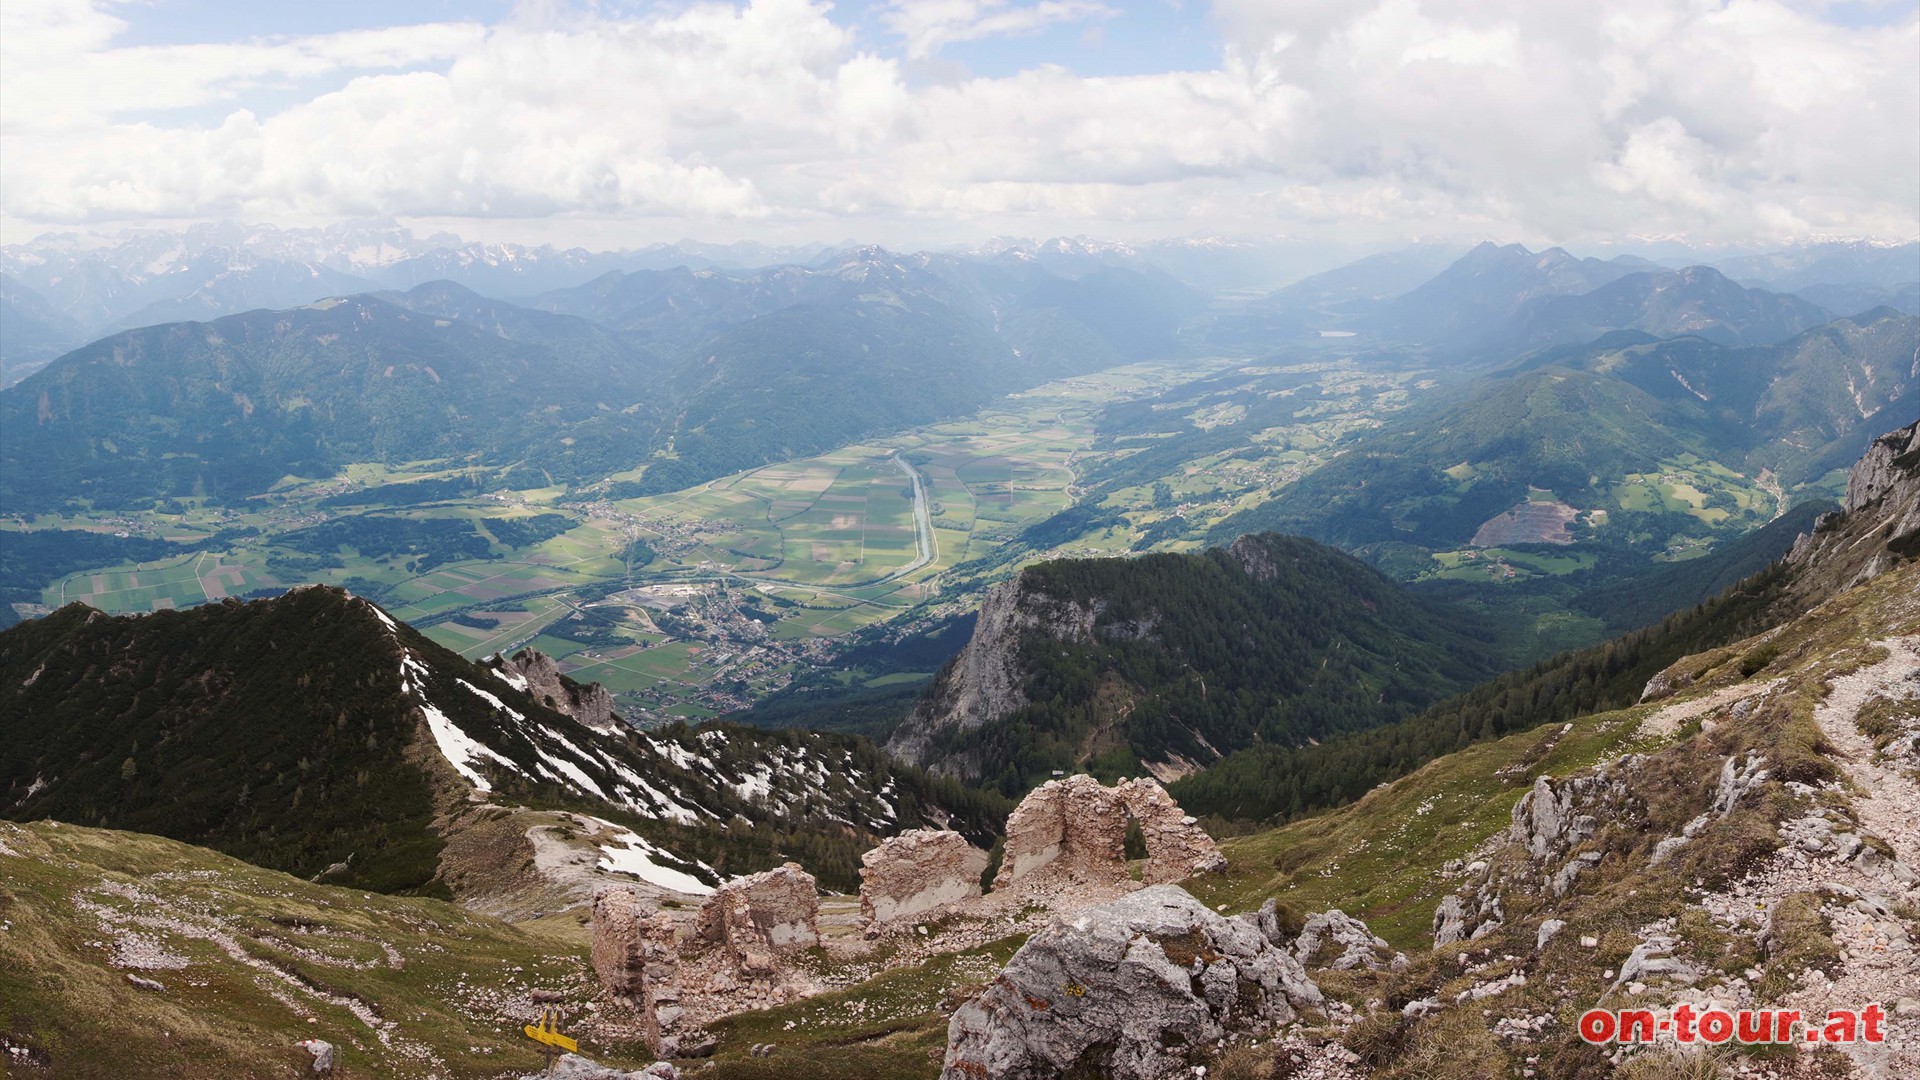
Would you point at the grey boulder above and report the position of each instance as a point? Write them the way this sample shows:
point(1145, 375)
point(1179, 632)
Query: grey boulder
point(1137, 989)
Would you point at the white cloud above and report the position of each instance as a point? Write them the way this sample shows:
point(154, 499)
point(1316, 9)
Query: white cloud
point(927, 25)
point(1534, 118)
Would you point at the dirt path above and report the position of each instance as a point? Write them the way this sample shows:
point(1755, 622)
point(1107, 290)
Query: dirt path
point(1668, 720)
point(1881, 962)
point(1887, 802)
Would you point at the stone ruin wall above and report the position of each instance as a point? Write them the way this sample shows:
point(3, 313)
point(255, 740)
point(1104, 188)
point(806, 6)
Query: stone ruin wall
point(1065, 849)
point(1076, 830)
point(922, 872)
point(677, 974)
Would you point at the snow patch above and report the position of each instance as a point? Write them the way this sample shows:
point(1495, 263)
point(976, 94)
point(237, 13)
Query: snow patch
point(629, 853)
point(461, 749)
point(382, 616)
point(581, 780)
point(491, 700)
point(513, 679)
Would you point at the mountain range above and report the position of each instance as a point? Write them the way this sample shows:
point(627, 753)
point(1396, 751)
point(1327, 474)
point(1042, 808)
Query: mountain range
point(68, 290)
point(693, 373)
point(1572, 428)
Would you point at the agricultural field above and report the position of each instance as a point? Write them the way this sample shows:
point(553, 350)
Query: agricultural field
point(701, 601)
point(1703, 489)
point(1501, 565)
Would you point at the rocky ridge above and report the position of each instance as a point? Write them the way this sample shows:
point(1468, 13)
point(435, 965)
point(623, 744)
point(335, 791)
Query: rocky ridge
point(1878, 526)
point(985, 681)
point(536, 673)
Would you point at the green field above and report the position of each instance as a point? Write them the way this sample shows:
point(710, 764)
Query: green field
point(1503, 565)
point(756, 566)
point(1706, 490)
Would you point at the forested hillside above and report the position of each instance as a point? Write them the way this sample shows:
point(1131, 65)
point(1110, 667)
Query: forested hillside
point(1171, 660)
point(311, 730)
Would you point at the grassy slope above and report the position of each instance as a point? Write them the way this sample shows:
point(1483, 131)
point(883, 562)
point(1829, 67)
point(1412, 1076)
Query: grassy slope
point(458, 996)
point(1384, 857)
point(1379, 858)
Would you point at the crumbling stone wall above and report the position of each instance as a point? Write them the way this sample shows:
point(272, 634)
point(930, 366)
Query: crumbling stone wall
point(1177, 847)
point(777, 911)
point(1076, 829)
point(918, 873)
point(679, 973)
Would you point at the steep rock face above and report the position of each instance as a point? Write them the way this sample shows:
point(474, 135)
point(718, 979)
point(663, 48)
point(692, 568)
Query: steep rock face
point(984, 683)
point(1892, 461)
point(537, 674)
point(1134, 990)
point(916, 873)
point(1879, 526)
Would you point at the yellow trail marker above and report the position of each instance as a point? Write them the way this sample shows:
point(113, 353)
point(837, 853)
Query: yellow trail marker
point(548, 1032)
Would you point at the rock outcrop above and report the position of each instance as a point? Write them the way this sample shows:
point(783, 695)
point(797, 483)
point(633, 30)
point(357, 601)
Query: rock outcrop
point(1132, 990)
point(1076, 830)
point(1879, 526)
point(677, 974)
point(537, 674)
point(985, 682)
point(1544, 850)
point(1891, 463)
point(1337, 940)
point(922, 872)
point(575, 1067)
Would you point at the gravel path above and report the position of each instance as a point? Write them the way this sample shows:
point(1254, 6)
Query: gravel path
point(1879, 966)
point(1879, 961)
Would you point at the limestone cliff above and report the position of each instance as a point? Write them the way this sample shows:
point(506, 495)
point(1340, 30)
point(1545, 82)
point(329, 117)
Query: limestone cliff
point(986, 682)
point(1879, 526)
point(1165, 662)
point(538, 675)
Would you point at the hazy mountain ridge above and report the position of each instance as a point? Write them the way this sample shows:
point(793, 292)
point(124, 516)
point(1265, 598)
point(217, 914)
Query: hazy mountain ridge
point(32, 331)
point(1576, 421)
point(230, 407)
point(731, 372)
point(1697, 301)
point(1491, 284)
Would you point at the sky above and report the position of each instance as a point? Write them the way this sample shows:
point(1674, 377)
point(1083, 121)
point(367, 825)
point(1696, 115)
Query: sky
point(922, 122)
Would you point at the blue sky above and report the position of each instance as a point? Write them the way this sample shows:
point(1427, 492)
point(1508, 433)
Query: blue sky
point(910, 120)
point(1137, 38)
